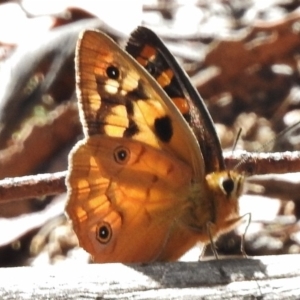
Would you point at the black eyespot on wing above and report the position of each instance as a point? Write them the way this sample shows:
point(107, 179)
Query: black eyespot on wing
point(103, 232)
point(112, 72)
point(163, 128)
point(228, 185)
point(121, 155)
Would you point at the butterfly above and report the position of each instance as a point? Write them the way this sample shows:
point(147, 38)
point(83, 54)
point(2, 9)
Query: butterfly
point(148, 181)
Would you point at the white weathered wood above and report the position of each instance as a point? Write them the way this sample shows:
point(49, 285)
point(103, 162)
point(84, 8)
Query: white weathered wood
point(274, 277)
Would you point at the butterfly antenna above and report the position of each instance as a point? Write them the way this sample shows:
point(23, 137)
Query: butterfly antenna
point(265, 146)
point(278, 136)
point(234, 147)
point(284, 131)
point(212, 243)
point(236, 139)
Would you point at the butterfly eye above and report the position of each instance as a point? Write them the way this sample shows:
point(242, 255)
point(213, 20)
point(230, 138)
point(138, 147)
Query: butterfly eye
point(113, 72)
point(103, 233)
point(228, 185)
point(121, 155)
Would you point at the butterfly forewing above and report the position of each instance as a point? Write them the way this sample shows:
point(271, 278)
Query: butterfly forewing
point(120, 99)
point(148, 49)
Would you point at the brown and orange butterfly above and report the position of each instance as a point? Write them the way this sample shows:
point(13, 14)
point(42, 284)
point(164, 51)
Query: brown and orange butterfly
point(148, 181)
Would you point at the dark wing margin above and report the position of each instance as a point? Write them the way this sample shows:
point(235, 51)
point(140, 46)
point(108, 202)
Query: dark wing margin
point(149, 50)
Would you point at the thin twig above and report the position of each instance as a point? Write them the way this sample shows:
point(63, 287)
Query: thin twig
point(25, 187)
point(263, 163)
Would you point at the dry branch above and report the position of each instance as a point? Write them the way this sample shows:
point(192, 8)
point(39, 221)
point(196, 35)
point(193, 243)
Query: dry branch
point(276, 186)
point(50, 184)
point(273, 277)
point(32, 186)
point(264, 163)
point(252, 52)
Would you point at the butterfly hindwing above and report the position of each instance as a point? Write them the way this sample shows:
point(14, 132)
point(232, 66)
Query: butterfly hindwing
point(117, 187)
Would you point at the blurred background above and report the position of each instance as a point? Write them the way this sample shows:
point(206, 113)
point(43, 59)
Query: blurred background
point(242, 55)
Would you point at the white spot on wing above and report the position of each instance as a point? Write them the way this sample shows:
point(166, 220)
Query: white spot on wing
point(111, 86)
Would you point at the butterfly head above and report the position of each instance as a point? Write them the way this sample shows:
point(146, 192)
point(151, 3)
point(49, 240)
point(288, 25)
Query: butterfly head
point(230, 183)
point(226, 186)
